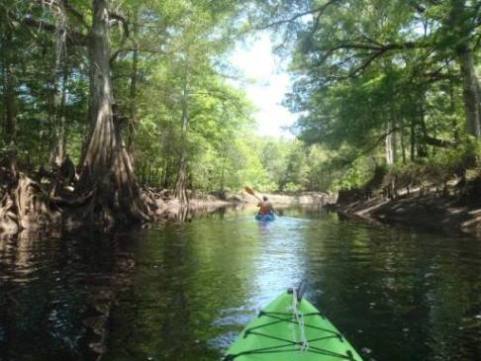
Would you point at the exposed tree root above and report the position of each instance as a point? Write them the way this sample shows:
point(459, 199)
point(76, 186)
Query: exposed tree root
point(31, 203)
point(59, 199)
point(114, 195)
point(25, 205)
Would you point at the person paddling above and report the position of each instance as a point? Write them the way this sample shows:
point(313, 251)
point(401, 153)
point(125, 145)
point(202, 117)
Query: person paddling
point(265, 207)
point(266, 210)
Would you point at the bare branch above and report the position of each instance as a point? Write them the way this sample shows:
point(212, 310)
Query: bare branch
point(440, 143)
point(125, 33)
point(125, 50)
point(319, 11)
point(74, 37)
point(120, 18)
point(369, 51)
point(366, 63)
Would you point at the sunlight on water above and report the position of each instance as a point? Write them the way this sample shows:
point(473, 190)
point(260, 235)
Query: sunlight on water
point(183, 292)
point(281, 261)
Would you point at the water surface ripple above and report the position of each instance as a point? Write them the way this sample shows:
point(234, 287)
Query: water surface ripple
point(182, 292)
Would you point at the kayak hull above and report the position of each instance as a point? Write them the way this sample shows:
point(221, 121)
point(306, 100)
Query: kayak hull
point(277, 335)
point(265, 217)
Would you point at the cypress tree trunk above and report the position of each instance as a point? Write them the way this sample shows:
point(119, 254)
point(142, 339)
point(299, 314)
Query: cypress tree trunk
point(133, 99)
point(459, 24)
point(422, 149)
point(99, 151)
point(412, 133)
point(391, 143)
point(181, 183)
point(182, 176)
point(471, 91)
point(9, 90)
point(59, 79)
point(403, 145)
point(133, 87)
point(61, 151)
point(106, 165)
point(9, 102)
point(452, 112)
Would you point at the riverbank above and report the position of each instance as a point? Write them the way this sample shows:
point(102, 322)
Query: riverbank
point(287, 199)
point(169, 208)
point(42, 212)
point(452, 209)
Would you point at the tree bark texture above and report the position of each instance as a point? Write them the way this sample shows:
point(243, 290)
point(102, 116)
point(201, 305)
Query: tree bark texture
point(133, 91)
point(471, 92)
point(391, 143)
point(59, 80)
point(182, 176)
point(106, 165)
point(459, 24)
point(9, 90)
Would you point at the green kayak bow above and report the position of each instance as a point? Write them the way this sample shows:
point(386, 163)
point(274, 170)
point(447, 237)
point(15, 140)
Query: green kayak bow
point(291, 329)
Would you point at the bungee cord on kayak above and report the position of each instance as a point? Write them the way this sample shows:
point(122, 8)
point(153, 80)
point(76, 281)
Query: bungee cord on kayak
point(296, 345)
point(300, 321)
point(269, 334)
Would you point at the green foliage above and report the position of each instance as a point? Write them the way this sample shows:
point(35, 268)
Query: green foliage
point(382, 77)
point(356, 176)
point(375, 83)
point(439, 167)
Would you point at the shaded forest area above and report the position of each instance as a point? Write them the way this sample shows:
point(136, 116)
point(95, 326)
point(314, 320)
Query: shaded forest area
point(93, 90)
point(104, 102)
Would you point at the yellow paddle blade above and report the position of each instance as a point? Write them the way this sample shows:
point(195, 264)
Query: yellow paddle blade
point(250, 191)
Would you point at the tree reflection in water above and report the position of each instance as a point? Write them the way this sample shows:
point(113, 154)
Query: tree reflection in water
point(57, 294)
point(182, 291)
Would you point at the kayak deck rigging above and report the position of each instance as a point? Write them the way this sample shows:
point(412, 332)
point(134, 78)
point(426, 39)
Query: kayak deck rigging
point(277, 333)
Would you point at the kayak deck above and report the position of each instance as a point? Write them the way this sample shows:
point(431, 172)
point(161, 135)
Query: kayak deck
point(278, 335)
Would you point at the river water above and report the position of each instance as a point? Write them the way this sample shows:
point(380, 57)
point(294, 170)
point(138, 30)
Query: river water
point(182, 292)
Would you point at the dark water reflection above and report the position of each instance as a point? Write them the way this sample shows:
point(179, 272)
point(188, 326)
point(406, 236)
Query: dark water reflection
point(183, 291)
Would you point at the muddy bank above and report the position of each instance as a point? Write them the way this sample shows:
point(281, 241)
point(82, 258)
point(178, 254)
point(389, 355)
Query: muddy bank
point(449, 210)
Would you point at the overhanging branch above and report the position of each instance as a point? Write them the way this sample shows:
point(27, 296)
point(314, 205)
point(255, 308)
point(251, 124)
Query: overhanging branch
point(74, 37)
point(125, 34)
point(319, 11)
